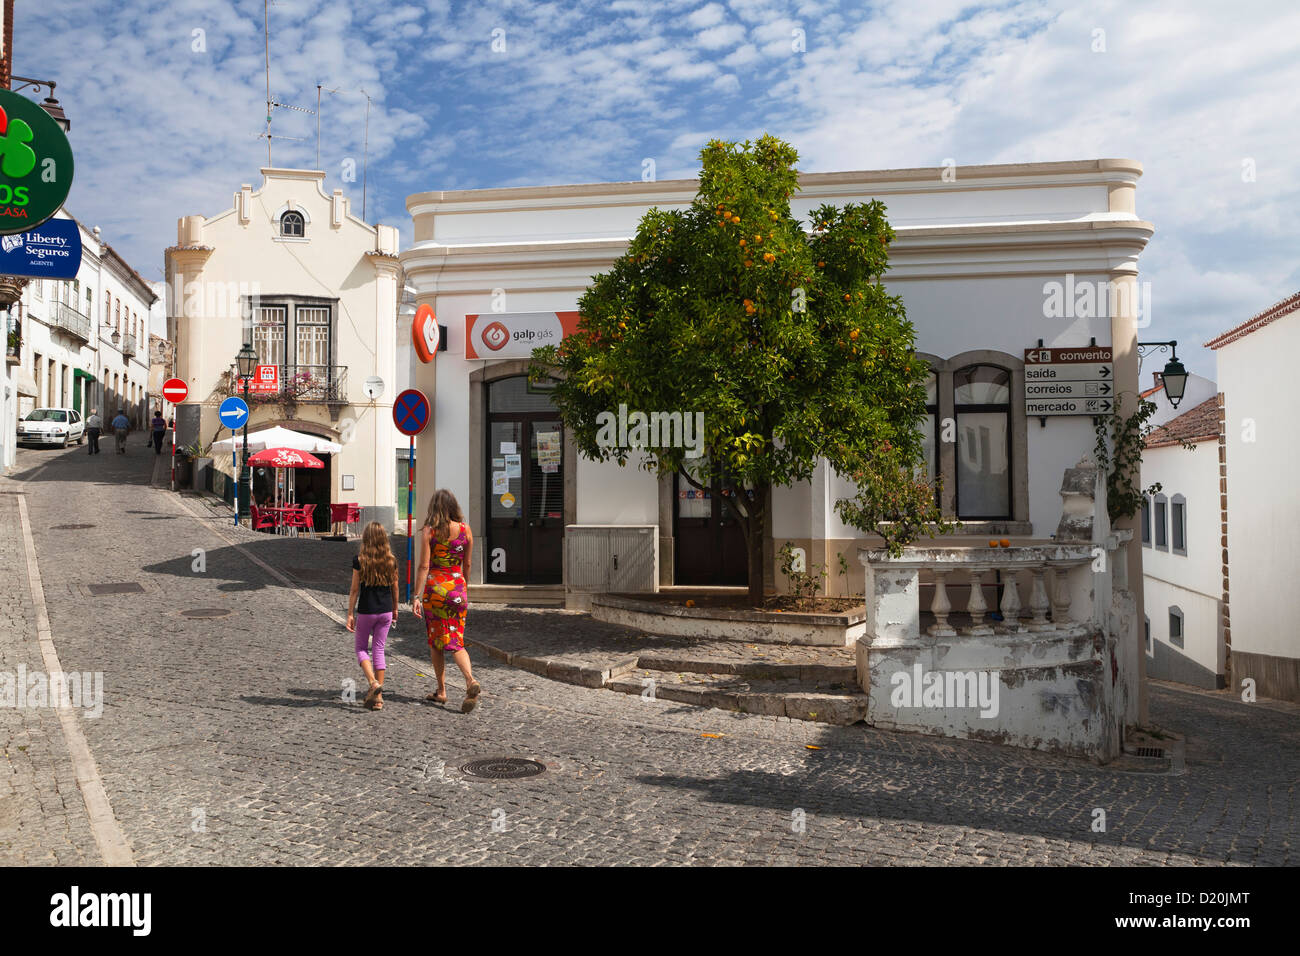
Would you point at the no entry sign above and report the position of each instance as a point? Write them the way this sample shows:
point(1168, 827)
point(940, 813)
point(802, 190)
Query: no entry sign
point(411, 412)
point(175, 391)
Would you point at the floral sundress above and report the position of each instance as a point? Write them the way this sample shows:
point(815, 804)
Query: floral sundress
point(446, 598)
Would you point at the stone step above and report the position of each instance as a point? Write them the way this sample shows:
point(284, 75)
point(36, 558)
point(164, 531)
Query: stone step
point(770, 670)
point(829, 702)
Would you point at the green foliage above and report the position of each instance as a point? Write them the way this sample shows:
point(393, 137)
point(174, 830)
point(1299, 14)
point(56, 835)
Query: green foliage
point(1120, 442)
point(783, 338)
point(804, 584)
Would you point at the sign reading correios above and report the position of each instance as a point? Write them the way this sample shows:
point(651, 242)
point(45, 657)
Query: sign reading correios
point(35, 164)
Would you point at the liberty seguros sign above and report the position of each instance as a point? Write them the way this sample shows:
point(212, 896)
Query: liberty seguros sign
point(50, 251)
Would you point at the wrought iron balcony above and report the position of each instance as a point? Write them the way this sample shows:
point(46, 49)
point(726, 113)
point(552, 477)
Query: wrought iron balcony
point(71, 321)
point(326, 384)
point(128, 346)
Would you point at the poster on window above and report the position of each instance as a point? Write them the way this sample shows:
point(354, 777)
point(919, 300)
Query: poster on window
point(514, 467)
point(548, 452)
point(500, 483)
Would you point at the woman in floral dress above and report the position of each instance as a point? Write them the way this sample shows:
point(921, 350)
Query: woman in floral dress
point(445, 549)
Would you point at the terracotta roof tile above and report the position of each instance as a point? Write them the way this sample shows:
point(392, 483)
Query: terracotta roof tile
point(1269, 315)
point(1200, 423)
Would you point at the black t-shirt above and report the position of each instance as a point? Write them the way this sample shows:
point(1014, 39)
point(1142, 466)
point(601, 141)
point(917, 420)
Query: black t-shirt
point(373, 599)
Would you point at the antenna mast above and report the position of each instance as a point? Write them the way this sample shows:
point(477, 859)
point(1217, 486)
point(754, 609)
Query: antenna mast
point(266, 33)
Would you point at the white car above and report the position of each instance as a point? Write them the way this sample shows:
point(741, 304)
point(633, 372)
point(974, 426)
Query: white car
point(51, 426)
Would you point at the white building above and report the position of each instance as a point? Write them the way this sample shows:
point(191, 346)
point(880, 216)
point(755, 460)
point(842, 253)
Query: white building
point(1182, 565)
point(980, 262)
point(1260, 551)
point(313, 288)
point(83, 342)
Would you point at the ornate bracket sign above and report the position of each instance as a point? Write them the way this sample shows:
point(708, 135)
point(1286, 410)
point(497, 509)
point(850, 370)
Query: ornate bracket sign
point(35, 164)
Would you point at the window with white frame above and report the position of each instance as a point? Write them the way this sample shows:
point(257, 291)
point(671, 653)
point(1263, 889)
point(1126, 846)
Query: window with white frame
point(1162, 523)
point(1178, 524)
point(1176, 626)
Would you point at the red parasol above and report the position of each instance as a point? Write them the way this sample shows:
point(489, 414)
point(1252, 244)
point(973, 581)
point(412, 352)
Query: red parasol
point(285, 458)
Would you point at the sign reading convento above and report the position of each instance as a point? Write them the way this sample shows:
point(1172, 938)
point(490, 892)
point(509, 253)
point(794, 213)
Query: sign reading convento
point(35, 164)
point(50, 251)
point(515, 334)
point(1069, 381)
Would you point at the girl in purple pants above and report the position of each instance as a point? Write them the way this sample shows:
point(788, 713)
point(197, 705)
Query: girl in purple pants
point(372, 607)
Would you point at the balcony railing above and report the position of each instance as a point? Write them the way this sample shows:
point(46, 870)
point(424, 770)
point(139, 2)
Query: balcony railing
point(72, 321)
point(305, 383)
point(128, 346)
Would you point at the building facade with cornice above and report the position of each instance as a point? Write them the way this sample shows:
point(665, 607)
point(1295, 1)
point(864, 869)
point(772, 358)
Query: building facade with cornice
point(80, 343)
point(289, 270)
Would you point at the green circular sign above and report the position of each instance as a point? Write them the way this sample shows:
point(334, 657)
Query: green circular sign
point(35, 164)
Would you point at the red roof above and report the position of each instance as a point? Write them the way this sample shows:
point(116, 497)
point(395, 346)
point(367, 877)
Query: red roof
point(1196, 424)
point(1269, 315)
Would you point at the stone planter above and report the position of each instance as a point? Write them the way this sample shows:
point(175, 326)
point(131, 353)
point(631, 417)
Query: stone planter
point(728, 624)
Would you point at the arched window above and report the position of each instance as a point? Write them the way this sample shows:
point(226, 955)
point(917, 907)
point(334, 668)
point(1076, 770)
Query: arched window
point(292, 225)
point(108, 306)
point(929, 436)
point(982, 408)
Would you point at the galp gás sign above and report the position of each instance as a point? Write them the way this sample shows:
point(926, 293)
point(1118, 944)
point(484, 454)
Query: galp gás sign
point(515, 334)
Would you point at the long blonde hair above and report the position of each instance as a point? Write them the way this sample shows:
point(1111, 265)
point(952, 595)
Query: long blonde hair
point(443, 510)
point(378, 566)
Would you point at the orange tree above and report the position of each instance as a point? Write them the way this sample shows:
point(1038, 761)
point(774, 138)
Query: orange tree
point(783, 337)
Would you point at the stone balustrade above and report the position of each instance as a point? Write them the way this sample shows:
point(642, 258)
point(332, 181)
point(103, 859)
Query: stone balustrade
point(1045, 589)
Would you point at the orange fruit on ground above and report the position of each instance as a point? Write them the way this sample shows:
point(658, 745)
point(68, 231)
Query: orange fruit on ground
point(1005, 542)
point(993, 544)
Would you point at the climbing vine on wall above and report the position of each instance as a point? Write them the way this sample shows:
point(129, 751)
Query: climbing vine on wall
point(1121, 440)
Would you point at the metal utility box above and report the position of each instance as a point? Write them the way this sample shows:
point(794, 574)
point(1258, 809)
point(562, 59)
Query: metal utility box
point(605, 558)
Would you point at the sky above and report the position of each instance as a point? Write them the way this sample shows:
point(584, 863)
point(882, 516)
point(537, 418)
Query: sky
point(167, 104)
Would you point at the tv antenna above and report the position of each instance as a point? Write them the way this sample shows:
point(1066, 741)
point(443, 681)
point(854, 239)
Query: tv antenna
point(365, 156)
point(272, 103)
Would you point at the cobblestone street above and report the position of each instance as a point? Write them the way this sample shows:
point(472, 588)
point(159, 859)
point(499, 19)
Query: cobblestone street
point(228, 740)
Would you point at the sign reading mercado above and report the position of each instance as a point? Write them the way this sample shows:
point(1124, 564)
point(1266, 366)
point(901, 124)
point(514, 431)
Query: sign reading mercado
point(50, 251)
point(35, 164)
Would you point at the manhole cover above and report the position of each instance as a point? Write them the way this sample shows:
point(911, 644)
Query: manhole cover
point(128, 588)
point(502, 768)
point(70, 527)
point(206, 612)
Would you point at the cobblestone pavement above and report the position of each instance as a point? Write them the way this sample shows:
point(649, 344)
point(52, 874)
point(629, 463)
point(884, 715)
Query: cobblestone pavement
point(228, 739)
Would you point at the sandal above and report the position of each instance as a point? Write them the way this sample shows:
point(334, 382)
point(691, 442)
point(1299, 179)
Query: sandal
point(375, 690)
point(379, 700)
point(471, 697)
point(436, 699)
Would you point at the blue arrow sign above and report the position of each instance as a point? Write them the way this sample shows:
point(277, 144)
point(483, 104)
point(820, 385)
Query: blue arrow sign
point(233, 412)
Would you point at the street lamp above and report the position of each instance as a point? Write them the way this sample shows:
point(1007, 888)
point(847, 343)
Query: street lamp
point(246, 362)
point(49, 104)
point(1174, 377)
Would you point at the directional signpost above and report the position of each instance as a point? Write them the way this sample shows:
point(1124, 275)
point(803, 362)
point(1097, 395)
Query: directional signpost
point(175, 391)
point(1070, 381)
point(233, 413)
point(410, 415)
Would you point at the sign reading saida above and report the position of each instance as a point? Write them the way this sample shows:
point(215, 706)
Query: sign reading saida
point(35, 164)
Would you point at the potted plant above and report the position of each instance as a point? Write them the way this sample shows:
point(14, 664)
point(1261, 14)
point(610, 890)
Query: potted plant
point(185, 457)
point(13, 342)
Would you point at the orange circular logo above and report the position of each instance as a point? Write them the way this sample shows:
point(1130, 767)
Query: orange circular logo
point(495, 336)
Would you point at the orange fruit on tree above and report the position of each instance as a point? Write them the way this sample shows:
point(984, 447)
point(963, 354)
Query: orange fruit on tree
point(853, 334)
point(821, 264)
point(742, 243)
point(748, 263)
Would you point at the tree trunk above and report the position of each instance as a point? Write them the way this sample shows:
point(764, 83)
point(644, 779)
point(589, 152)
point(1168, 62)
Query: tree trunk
point(754, 534)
